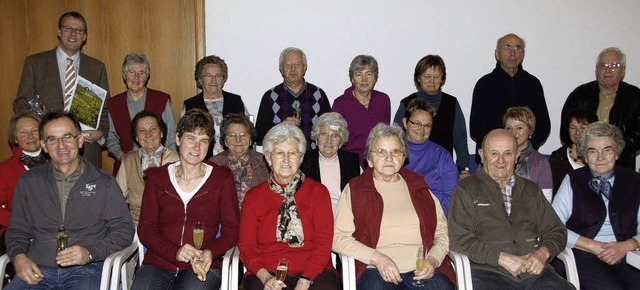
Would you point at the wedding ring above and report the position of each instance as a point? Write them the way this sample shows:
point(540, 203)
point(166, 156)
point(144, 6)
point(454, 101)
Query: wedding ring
point(36, 275)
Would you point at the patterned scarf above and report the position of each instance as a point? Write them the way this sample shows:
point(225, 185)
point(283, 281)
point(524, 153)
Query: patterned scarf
point(600, 183)
point(522, 169)
point(150, 160)
point(289, 227)
point(242, 174)
point(32, 161)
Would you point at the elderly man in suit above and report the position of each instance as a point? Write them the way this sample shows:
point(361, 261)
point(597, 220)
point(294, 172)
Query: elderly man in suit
point(52, 76)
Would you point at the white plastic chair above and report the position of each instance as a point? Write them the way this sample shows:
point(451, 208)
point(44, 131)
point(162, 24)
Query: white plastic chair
point(235, 274)
point(462, 267)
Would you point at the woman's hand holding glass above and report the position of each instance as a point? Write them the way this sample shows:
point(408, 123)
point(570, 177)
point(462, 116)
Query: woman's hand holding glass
point(428, 271)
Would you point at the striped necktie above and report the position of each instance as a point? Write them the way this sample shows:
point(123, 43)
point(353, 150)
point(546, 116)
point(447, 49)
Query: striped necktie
point(69, 83)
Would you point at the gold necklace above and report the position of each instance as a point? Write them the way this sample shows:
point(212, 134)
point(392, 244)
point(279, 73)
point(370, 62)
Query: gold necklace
point(188, 180)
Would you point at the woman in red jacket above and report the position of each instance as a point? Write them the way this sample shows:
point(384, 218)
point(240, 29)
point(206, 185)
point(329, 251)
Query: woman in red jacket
point(176, 197)
point(25, 144)
point(288, 216)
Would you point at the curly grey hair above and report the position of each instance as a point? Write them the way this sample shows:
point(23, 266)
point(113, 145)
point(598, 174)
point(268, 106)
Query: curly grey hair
point(383, 130)
point(600, 129)
point(360, 62)
point(281, 133)
point(331, 119)
point(136, 58)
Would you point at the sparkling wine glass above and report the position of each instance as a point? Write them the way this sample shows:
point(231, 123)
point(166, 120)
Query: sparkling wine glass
point(62, 238)
point(198, 236)
point(281, 270)
point(421, 262)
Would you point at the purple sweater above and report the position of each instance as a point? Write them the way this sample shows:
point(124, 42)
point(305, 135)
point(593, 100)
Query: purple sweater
point(436, 165)
point(361, 119)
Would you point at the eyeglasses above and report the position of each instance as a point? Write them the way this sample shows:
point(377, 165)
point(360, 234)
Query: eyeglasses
point(292, 155)
point(209, 77)
point(234, 136)
point(69, 30)
point(606, 152)
point(293, 65)
point(325, 136)
point(67, 138)
point(423, 126)
point(382, 153)
point(516, 48)
point(132, 73)
point(612, 66)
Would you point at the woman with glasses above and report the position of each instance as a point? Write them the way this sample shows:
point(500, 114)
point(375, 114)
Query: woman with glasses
point(426, 157)
point(362, 106)
point(532, 165)
point(124, 106)
point(287, 217)
point(566, 158)
point(449, 130)
point(211, 74)
point(386, 214)
point(248, 166)
point(600, 206)
point(328, 164)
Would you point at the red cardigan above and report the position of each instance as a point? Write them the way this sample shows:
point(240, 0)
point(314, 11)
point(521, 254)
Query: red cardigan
point(258, 245)
point(10, 171)
point(165, 224)
point(367, 207)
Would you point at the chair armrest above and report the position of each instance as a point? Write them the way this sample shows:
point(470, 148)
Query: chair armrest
point(348, 272)
point(226, 269)
point(106, 271)
point(569, 261)
point(117, 269)
point(462, 268)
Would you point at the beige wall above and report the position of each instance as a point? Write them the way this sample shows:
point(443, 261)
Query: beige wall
point(169, 32)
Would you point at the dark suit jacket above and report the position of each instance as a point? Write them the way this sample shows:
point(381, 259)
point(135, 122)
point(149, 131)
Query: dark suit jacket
point(41, 76)
point(349, 166)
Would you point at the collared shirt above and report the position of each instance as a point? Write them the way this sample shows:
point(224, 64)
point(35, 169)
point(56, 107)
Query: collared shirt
point(606, 103)
point(65, 183)
point(294, 94)
point(61, 57)
point(506, 193)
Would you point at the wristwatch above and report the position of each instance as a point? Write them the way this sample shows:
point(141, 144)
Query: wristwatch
point(90, 258)
point(637, 243)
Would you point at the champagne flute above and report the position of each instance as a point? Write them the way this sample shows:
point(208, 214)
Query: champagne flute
point(281, 270)
point(62, 238)
point(421, 262)
point(198, 236)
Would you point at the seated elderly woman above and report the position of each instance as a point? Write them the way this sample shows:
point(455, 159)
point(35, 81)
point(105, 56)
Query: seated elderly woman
point(248, 166)
point(599, 204)
point(148, 132)
point(566, 158)
point(532, 165)
point(386, 214)
point(361, 105)
point(287, 217)
point(183, 207)
point(25, 144)
point(328, 164)
point(425, 156)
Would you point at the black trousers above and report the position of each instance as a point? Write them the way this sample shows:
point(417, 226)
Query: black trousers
point(595, 274)
point(327, 280)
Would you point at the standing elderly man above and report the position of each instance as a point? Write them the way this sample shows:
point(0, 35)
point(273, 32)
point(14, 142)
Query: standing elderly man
point(294, 101)
point(612, 100)
point(75, 198)
point(505, 224)
point(508, 85)
point(52, 75)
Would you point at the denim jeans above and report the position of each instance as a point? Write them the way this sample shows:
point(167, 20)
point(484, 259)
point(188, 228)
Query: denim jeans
point(68, 278)
point(150, 277)
point(371, 280)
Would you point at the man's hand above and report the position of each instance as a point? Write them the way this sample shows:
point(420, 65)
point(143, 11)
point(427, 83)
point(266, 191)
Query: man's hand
point(27, 270)
point(73, 256)
point(293, 121)
point(515, 265)
point(428, 271)
point(91, 136)
point(386, 267)
point(535, 261)
point(613, 253)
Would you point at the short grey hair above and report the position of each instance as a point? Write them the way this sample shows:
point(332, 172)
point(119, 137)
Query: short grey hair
point(600, 129)
point(381, 131)
point(136, 58)
point(360, 62)
point(623, 57)
point(289, 50)
point(331, 119)
point(524, 44)
point(281, 133)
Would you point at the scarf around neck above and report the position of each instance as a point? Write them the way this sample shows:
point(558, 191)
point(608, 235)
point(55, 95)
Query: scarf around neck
point(289, 225)
point(522, 169)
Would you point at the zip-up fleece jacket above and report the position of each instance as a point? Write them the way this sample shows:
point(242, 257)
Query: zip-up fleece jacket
point(96, 217)
point(166, 223)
